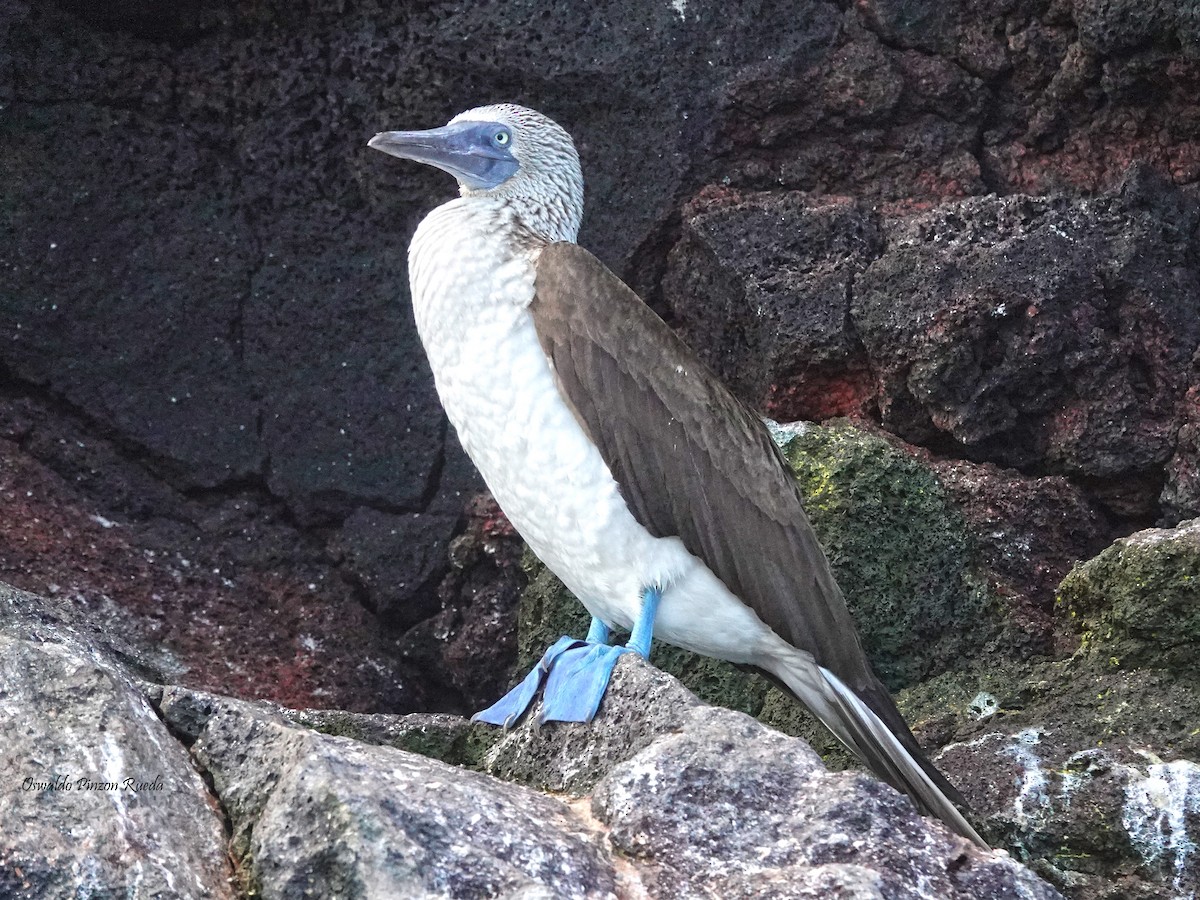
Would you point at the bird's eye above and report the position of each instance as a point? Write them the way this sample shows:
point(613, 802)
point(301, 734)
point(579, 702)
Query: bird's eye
point(501, 138)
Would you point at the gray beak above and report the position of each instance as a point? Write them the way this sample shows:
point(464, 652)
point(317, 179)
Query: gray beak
point(465, 150)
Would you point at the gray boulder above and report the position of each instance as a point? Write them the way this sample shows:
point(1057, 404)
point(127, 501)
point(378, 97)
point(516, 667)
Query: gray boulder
point(327, 816)
point(730, 808)
point(686, 801)
point(96, 798)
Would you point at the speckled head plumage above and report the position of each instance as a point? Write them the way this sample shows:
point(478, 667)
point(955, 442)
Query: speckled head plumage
point(505, 152)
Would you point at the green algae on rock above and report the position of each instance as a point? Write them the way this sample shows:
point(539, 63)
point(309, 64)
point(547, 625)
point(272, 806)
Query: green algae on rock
point(1137, 604)
point(900, 550)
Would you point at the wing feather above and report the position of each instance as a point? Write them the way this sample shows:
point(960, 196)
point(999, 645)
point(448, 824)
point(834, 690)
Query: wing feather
point(692, 461)
point(706, 467)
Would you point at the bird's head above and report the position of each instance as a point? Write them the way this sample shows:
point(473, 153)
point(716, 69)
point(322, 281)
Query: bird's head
point(507, 152)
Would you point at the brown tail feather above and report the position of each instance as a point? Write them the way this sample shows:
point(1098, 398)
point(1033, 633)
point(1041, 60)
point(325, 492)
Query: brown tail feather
point(890, 751)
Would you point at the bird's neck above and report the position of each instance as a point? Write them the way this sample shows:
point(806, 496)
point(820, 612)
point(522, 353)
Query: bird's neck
point(551, 216)
point(469, 254)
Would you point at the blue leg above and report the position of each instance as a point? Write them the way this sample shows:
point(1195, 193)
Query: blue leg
point(598, 633)
point(576, 673)
point(643, 628)
point(579, 678)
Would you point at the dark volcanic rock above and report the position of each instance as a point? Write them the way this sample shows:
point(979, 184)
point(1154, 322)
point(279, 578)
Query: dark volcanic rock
point(866, 120)
point(395, 558)
point(961, 33)
point(761, 286)
point(224, 269)
point(104, 290)
point(1120, 26)
point(219, 593)
point(1050, 336)
point(468, 647)
point(1043, 335)
point(347, 408)
point(1096, 85)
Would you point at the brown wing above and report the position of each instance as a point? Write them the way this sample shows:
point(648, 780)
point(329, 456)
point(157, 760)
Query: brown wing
point(691, 460)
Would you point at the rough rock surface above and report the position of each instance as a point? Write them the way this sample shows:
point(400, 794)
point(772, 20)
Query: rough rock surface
point(1081, 811)
point(571, 757)
point(1101, 746)
point(761, 284)
point(302, 790)
point(211, 299)
point(902, 553)
point(219, 594)
point(319, 815)
point(217, 431)
point(1181, 495)
point(1138, 602)
point(689, 801)
point(1048, 335)
point(729, 808)
point(1039, 334)
point(1026, 533)
point(96, 798)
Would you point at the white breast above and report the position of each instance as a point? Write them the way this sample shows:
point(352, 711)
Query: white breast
point(471, 271)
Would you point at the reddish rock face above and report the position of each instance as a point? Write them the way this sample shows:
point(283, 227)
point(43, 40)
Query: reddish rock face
point(213, 595)
point(1049, 336)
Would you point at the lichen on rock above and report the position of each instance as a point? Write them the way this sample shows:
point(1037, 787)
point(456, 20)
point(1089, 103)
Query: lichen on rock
point(1137, 604)
point(900, 550)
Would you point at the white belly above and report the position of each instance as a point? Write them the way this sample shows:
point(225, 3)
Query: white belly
point(499, 392)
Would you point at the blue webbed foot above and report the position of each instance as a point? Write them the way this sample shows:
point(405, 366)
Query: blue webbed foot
point(576, 674)
point(577, 682)
point(512, 706)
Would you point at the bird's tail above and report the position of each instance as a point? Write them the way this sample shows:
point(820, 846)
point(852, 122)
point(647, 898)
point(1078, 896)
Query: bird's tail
point(886, 747)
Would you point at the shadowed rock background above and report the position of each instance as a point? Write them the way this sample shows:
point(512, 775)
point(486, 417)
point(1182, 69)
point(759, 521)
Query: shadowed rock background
point(962, 236)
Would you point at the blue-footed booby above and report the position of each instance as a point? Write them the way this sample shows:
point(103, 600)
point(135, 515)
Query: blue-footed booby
point(657, 497)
